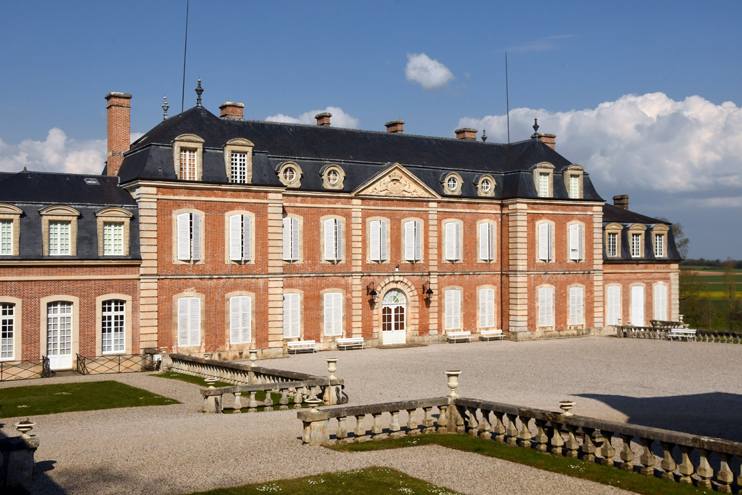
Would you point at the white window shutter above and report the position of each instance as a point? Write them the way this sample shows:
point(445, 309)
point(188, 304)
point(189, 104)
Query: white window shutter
point(483, 308)
point(457, 239)
point(295, 315)
point(487, 308)
point(246, 237)
point(375, 233)
point(550, 241)
point(183, 322)
point(611, 307)
point(574, 242)
point(451, 241)
point(545, 307)
point(543, 242)
point(581, 244)
point(234, 320)
point(286, 239)
point(382, 241)
point(330, 248)
point(184, 236)
point(329, 313)
point(660, 302)
point(286, 316)
point(637, 306)
point(295, 239)
point(457, 309)
point(483, 238)
point(196, 223)
point(235, 238)
point(418, 241)
point(338, 239)
point(246, 316)
point(409, 241)
point(449, 310)
point(580, 306)
point(195, 321)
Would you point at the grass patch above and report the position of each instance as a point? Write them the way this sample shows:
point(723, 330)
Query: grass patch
point(371, 481)
point(571, 467)
point(67, 397)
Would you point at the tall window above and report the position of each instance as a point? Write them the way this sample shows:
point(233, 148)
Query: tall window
point(659, 245)
point(486, 308)
point(189, 236)
point(240, 238)
point(543, 185)
point(413, 241)
point(574, 186)
point(453, 309)
point(378, 240)
point(239, 168)
point(637, 306)
point(291, 239)
point(113, 239)
point(576, 306)
point(453, 241)
point(333, 309)
point(333, 239)
point(636, 245)
point(612, 247)
point(7, 330)
point(113, 326)
point(575, 242)
point(59, 238)
point(660, 302)
point(59, 329)
point(291, 316)
point(545, 241)
point(240, 320)
point(189, 321)
point(188, 164)
point(6, 237)
point(486, 241)
point(546, 307)
point(613, 305)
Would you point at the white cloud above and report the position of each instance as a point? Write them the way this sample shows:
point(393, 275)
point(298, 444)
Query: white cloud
point(429, 73)
point(339, 118)
point(540, 45)
point(648, 142)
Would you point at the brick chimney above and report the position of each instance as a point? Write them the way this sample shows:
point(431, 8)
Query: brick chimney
point(395, 126)
point(621, 201)
point(323, 118)
point(119, 129)
point(231, 110)
point(466, 133)
point(548, 139)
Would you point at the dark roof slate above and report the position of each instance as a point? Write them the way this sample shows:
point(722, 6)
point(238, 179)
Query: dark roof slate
point(613, 213)
point(51, 188)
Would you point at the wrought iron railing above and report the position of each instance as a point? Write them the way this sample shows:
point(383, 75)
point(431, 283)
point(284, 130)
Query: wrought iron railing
point(118, 363)
point(25, 369)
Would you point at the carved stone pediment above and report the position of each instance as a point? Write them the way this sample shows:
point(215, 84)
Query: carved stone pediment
point(396, 181)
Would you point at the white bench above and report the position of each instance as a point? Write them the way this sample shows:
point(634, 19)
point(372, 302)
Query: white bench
point(456, 336)
point(491, 334)
point(350, 342)
point(681, 333)
point(301, 345)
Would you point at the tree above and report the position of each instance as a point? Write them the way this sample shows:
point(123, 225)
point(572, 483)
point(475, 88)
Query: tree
point(699, 312)
point(732, 305)
point(681, 242)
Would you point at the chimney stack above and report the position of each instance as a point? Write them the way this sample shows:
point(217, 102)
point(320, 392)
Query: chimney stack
point(466, 133)
point(119, 129)
point(395, 126)
point(548, 139)
point(231, 110)
point(621, 201)
point(323, 118)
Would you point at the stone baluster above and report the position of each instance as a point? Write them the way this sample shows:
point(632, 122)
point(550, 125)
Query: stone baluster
point(541, 438)
point(298, 397)
point(725, 475)
point(342, 432)
point(627, 455)
point(498, 429)
point(485, 426)
point(253, 403)
point(668, 463)
point(443, 419)
point(588, 446)
point(685, 468)
point(647, 458)
point(376, 428)
point(360, 431)
point(428, 421)
point(411, 424)
point(284, 401)
point(557, 442)
point(394, 427)
point(607, 452)
point(525, 434)
point(237, 403)
point(268, 402)
point(572, 445)
point(511, 431)
point(705, 471)
point(473, 424)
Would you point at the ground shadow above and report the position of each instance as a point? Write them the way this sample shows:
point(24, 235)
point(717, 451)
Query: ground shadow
point(41, 481)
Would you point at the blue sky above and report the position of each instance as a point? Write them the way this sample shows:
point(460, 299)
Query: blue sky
point(645, 95)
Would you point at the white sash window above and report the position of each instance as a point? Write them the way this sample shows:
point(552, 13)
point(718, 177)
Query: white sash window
point(660, 302)
point(543, 185)
point(333, 308)
point(613, 305)
point(576, 306)
point(239, 168)
point(113, 326)
point(378, 240)
point(189, 321)
point(291, 316)
point(637, 306)
point(636, 245)
point(412, 241)
point(7, 330)
point(189, 236)
point(6, 237)
point(291, 239)
point(486, 308)
point(333, 239)
point(453, 309)
point(240, 320)
point(612, 244)
point(240, 238)
point(453, 241)
point(659, 245)
point(59, 238)
point(545, 238)
point(576, 250)
point(113, 239)
point(188, 164)
point(574, 186)
point(546, 307)
point(486, 241)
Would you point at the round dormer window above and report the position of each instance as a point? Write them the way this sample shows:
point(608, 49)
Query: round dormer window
point(289, 174)
point(452, 183)
point(486, 185)
point(333, 177)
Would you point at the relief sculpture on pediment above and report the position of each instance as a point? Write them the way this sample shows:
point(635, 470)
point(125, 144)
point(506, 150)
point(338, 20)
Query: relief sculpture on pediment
point(396, 184)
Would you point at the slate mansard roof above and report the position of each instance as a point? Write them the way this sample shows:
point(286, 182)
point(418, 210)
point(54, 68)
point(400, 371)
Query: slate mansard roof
point(626, 218)
point(361, 154)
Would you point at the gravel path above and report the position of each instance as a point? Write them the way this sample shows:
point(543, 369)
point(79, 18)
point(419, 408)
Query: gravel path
point(176, 449)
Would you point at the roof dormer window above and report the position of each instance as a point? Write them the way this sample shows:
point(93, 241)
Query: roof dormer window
point(543, 178)
point(452, 183)
point(188, 151)
point(289, 173)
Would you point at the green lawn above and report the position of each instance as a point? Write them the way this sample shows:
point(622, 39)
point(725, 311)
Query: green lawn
point(65, 397)
point(571, 467)
point(371, 481)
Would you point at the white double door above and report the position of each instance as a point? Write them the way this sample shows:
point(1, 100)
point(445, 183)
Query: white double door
point(393, 318)
point(59, 335)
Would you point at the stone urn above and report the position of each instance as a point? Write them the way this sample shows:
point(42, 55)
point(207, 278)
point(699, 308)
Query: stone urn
point(253, 356)
point(210, 382)
point(453, 381)
point(332, 367)
point(566, 406)
point(24, 427)
point(313, 402)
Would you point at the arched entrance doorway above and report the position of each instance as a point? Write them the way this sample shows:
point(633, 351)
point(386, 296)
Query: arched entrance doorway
point(393, 318)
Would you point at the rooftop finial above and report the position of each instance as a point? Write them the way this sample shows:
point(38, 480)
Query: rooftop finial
point(165, 106)
point(535, 125)
point(199, 91)
point(484, 135)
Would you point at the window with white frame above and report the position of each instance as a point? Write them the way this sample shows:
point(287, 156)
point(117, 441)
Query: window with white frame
point(576, 249)
point(189, 321)
point(660, 302)
point(486, 241)
point(188, 168)
point(240, 320)
point(636, 245)
point(189, 236)
point(453, 309)
point(291, 316)
point(59, 238)
point(239, 168)
point(574, 186)
point(291, 240)
point(453, 241)
point(659, 245)
point(413, 241)
point(7, 330)
point(543, 185)
point(6, 237)
point(378, 240)
point(113, 326)
point(546, 307)
point(240, 238)
point(576, 306)
point(486, 308)
point(59, 328)
point(613, 305)
point(113, 239)
point(612, 248)
point(333, 309)
point(637, 306)
point(545, 242)
point(333, 228)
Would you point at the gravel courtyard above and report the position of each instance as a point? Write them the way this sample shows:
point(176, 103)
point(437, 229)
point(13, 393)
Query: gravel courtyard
point(693, 387)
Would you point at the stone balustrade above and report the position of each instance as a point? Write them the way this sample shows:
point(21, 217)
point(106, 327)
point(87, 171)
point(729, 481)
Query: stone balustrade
point(661, 333)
